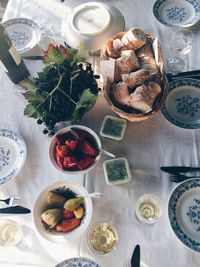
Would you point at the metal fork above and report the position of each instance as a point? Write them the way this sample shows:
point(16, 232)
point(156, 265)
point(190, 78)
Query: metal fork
point(178, 178)
point(11, 201)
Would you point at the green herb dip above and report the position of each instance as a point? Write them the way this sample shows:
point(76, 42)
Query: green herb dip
point(113, 127)
point(117, 170)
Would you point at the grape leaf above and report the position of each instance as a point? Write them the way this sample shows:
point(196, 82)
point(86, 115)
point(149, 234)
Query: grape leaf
point(86, 101)
point(28, 84)
point(31, 111)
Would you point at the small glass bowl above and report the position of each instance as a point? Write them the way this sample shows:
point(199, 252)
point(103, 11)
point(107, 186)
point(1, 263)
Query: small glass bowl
point(10, 232)
point(102, 238)
point(148, 208)
point(117, 171)
point(113, 127)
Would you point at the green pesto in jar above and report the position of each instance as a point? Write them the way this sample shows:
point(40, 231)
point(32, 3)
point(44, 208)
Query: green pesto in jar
point(116, 170)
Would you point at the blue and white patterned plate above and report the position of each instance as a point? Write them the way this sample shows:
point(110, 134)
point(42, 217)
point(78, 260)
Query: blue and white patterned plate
point(182, 106)
point(78, 262)
point(177, 13)
point(12, 154)
point(24, 33)
point(184, 213)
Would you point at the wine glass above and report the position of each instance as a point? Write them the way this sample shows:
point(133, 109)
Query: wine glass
point(179, 45)
point(148, 208)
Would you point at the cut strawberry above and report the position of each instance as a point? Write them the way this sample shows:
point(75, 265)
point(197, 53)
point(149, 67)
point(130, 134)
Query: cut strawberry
point(88, 148)
point(85, 163)
point(71, 144)
point(69, 162)
point(60, 139)
point(67, 214)
point(61, 150)
point(68, 225)
point(60, 161)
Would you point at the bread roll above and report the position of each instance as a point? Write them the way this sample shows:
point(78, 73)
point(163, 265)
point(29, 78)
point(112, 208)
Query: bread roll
point(115, 46)
point(146, 58)
point(121, 93)
point(128, 61)
point(144, 96)
point(134, 38)
point(136, 78)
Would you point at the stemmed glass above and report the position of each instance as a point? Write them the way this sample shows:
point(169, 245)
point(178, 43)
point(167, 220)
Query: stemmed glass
point(179, 45)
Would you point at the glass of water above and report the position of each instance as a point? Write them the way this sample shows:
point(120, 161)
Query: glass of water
point(179, 45)
point(148, 208)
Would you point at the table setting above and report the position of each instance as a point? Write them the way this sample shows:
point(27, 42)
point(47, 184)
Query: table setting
point(99, 136)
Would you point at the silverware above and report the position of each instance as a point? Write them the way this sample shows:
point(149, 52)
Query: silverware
point(93, 195)
point(179, 169)
point(135, 259)
point(33, 57)
point(178, 178)
point(187, 74)
point(11, 201)
point(15, 210)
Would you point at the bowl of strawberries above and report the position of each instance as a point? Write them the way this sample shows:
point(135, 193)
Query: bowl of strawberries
point(75, 149)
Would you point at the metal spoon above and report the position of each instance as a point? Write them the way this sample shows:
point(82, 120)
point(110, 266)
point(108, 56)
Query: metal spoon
point(106, 152)
point(94, 195)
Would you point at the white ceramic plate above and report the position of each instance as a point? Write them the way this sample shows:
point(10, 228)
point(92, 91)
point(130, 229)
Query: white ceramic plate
point(182, 106)
point(12, 154)
point(91, 24)
point(78, 262)
point(177, 13)
point(184, 213)
point(41, 205)
point(24, 33)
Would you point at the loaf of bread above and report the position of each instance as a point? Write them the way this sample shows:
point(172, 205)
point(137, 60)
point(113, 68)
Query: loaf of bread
point(144, 96)
point(121, 93)
point(128, 61)
point(134, 38)
point(136, 78)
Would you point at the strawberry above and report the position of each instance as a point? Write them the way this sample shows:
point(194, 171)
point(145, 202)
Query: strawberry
point(68, 225)
point(71, 144)
point(60, 139)
point(61, 150)
point(88, 149)
point(69, 162)
point(59, 161)
point(85, 163)
point(67, 214)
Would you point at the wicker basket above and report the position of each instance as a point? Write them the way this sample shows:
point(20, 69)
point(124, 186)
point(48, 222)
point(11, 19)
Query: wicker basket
point(159, 101)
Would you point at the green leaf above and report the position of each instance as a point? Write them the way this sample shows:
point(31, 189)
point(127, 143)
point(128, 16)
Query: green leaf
point(34, 99)
point(82, 54)
point(31, 111)
point(85, 102)
point(28, 84)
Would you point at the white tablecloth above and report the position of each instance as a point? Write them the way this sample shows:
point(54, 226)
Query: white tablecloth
point(147, 146)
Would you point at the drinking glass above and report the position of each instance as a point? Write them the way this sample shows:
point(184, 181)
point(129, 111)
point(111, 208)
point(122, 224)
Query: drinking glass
point(102, 238)
point(179, 45)
point(10, 232)
point(148, 208)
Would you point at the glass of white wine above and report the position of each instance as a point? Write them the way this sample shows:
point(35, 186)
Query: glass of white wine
point(148, 208)
point(102, 238)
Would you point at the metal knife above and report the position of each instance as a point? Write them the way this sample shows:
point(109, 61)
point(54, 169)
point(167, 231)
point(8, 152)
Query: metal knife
point(33, 57)
point(135, 260)
point(179, 169)
point(15, 210)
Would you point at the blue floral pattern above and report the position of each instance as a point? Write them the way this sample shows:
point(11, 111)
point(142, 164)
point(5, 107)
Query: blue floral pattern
point(172, 212)
point(194, 213)
point(183, 104)
point(78, 262)
point(19, 38)
point(188, 105)
point(4, 157)
point(177, 13)
point(6, 153)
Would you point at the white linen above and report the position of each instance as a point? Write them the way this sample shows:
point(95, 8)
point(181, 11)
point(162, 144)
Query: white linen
point(147, 146)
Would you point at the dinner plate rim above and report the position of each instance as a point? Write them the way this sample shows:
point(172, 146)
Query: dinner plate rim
point(28, 22)
point(174, 197)
point(157, 5)
point(86, 260)
point(23, 153)
point(172, 86)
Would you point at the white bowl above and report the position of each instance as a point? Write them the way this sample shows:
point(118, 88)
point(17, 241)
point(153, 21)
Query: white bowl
point(52, 148)
point(91, 24)
point(41, 205)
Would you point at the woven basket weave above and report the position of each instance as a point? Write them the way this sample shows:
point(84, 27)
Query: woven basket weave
point(159, 101)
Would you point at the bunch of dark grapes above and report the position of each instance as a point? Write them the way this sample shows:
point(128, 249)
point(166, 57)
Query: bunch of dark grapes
point(57, 106)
